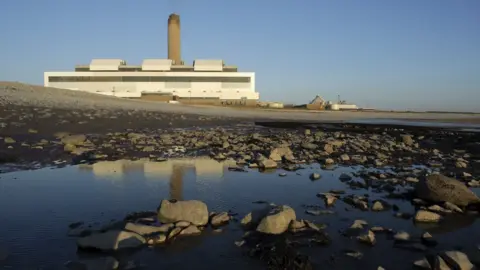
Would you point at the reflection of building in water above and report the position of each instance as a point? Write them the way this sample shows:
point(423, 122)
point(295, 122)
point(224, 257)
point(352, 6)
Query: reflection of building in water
point(115, 169)
point(174, 170)
point(110, 169)
point(205, 168)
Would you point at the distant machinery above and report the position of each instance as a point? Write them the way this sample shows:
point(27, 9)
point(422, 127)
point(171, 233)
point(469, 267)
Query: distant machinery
point(318, 103)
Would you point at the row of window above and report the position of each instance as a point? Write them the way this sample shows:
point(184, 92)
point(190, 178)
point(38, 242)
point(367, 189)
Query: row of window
point(146, 79)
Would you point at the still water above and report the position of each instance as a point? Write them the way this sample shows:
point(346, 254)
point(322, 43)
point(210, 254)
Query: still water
point(36, 208)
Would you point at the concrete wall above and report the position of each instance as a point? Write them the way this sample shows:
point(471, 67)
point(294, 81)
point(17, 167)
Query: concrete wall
point(220, 90)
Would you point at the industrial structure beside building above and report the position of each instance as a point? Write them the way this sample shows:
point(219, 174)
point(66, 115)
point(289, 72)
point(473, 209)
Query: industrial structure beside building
point(203, 82)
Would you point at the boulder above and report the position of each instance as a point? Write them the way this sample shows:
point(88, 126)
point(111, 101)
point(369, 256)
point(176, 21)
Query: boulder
point(277, 220)
point(195, 212)
point(440, 188)
point(111, 240)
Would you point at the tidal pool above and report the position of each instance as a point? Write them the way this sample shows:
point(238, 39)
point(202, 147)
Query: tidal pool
point(36, 208)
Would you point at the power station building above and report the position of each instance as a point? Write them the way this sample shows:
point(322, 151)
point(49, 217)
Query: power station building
point(203, 82)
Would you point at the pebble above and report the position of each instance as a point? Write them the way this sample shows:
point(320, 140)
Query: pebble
point(315, 176)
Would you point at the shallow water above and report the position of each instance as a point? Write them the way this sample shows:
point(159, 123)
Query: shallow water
point(36, 208)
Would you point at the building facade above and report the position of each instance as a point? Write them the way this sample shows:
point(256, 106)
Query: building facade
point(206, 81)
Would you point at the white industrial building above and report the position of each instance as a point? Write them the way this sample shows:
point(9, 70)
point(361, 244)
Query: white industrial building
point(205, 79)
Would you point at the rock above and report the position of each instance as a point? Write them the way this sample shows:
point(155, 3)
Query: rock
point(192, 211)
point(329, 149)
point(460, 164)
point(378, 206)
point(240, 243)
point(439, 188)
point(412, 180)
point(309, 146)
point(182, 224)
point(358, 224)
point(423, 264)
point(344, 157)
point(148, 149)
point(354, 254)
point(328, 198)
point(9, 140)
point(427, 216)
point(376, 229)
point(174, 232)
point(368, 238)
point(277, 220)
point(191, 230)
point(452, 207)
point(428, 240)
point(440, 264)
point(315, 176)
point(345, 177)
point(278, 153)
point(253, 218)
point(111, 240)
point(74, 139)
point(312, 225)
point(157, 239)
point(402, 236)
point(437, 209)
point(307, 132)
point(457, 260)
point(296, 226)
point(329, 161)
point(144, 230)
point(267, 164)
point(220, 219)
point(407, 140)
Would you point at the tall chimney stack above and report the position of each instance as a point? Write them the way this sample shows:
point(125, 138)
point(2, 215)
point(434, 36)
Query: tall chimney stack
point(174, 39)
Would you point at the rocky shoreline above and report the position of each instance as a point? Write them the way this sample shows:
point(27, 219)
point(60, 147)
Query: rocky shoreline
point(433, 169)
point(274, 234)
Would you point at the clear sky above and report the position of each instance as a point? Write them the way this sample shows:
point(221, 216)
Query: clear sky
point(399, 54)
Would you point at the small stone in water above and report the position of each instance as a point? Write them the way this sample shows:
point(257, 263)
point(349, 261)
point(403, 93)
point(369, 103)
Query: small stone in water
point(315, 176)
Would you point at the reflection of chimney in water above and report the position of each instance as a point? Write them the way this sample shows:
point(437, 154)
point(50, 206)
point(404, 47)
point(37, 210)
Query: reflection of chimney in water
point(176, 182)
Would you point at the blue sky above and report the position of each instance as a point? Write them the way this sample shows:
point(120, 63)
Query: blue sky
point(402, 54)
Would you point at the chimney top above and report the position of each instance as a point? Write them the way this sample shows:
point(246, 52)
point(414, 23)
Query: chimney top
point(174, 17)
